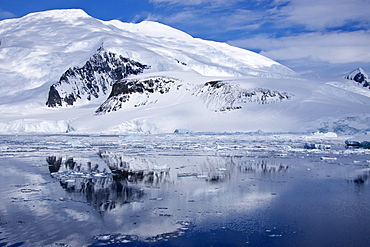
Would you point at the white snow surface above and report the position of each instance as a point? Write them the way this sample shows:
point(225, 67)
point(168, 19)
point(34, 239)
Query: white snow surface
point(37, 49)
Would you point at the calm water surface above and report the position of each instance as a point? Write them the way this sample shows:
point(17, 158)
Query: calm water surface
point(182, 190)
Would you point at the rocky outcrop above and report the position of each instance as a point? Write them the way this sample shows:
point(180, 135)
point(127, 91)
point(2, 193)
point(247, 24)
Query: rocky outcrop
point(216, 95)
point(222, 96)
point(136, 91)
point(359, 76)
point(94, 79)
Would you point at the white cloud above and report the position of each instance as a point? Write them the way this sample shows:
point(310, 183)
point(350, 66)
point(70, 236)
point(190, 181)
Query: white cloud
point(145, 16)
point(217, 22)
point(322, 14)
point(196, 2)
point(321, 31)
point(315, 15)
point(6, 14)
point(184, 16)
point(335, 48)
point(180, 2)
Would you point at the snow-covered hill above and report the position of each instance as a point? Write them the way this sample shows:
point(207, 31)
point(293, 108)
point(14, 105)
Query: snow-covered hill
point(64, 71)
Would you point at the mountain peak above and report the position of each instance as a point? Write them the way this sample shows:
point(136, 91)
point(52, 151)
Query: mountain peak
point(59, 14)
point(354, 72)
point(151, 28)
point(359, 75)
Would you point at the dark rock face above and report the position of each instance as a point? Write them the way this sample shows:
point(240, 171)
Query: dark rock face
point(122, 92)
point(93, 79)
point(359, 76)
point(222, 96)
point(216, 95)
point(54, 97)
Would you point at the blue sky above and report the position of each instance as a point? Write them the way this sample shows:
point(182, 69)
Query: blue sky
point(312, 37)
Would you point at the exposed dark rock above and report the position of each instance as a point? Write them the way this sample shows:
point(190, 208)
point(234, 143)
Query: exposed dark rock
point(54, 98)
point(93, 79)
point(217, 95)
point(215, 84)
point(222, 96)
point(124, 89)
point(359, 76)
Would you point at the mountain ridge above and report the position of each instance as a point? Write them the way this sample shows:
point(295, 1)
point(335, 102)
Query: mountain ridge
point(112, 77)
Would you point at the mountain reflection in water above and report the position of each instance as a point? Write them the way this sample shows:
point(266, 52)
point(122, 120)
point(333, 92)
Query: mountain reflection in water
point(101, 189)
point(126, 178)
point(182, 191)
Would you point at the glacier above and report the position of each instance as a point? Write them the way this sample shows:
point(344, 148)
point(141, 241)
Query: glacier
point(63, 71)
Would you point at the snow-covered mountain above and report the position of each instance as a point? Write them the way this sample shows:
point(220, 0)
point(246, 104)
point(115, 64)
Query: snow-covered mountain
point(65, 71)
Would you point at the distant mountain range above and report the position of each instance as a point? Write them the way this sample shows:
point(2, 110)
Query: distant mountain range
point(64, 71)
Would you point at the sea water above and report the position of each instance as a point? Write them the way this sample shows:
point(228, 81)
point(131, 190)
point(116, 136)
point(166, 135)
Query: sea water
point(183, 190)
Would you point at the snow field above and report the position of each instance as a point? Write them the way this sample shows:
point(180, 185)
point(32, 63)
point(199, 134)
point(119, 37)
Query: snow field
point(37, 49)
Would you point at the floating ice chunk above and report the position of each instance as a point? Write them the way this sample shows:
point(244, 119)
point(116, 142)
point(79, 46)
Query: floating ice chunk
point(327, 135)
point(316, 146)
point(116, 238)
point(103, 237)
point(275, 235)
point(99, 175)
point(29, 190)
point(186, 174)
point(164, 168)
point(328, 158)
point(202, 177)
point(181, 131)
point(131, 137)
point(79, 144)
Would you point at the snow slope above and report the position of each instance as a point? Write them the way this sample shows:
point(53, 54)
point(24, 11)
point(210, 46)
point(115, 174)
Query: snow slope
point(115, 77)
